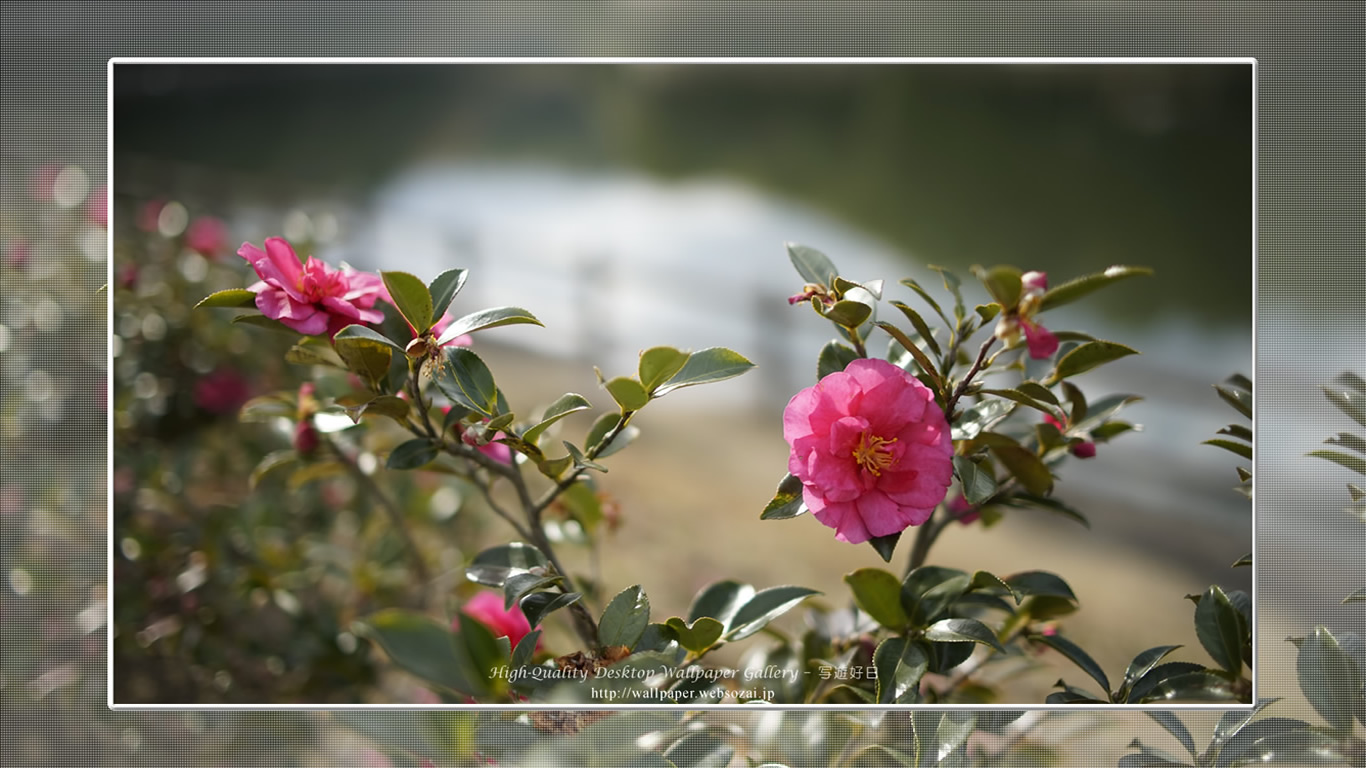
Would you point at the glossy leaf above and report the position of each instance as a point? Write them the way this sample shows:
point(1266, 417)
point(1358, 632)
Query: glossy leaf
point(658, 365)
point(1191, 687)
point(963, 630)
point(924, 294)
point(1218, 625)
point(467, 381)
point(628, 393)
point(424, 648)
point(581, 461)
point(367, 358)
point(525, 650)
point(1354, 463)
point(493, 317)
point(1026, 467)
point(395, 408)
point(411, 299)
point(625, 618)
point(1021, 398)
point(413, 454)
point(885, 546)
point(537, 605)
point(267, 408)
point(1285, 744)
point(1330, 680)
point(900, 664)
point(493, 566)
point(1356, 597)
point(814, 266)
point(1029, 583)
point(991, 583)
point(1239, 398)
point(273, 462)
point(1076, 655)
point(704, 367)
point(833, 358)
point(700, 635)
point(261, 321)
point(786, 502)
point(927, 592)
point(878, 594)
point(1348, 400)
point(699, 749)
point(1142, 664)
point(1080, 286)
point(233, 298)
point(720, 601)
point(1149, 757)
point(953, 285)
point(978, 484)
point(764, 607)
point(1230, 723)
point(1241, 449)
point(1156, 676)
point(921, 327)
point(444, 288)
point(1175, 727)
point(920, 357)
point(849, 313)
point(518, 585)
point(1089, 355)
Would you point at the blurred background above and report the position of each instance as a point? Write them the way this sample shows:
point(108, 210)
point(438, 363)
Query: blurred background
point(632, 206)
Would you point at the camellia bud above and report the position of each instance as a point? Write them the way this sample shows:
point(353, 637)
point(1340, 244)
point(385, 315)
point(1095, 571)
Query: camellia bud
point(420, 348)
point(1034, 282)
point(305, 438)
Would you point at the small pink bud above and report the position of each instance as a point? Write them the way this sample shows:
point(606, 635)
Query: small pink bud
point(305, 438)
point(1034, 282)
point(1084, 450)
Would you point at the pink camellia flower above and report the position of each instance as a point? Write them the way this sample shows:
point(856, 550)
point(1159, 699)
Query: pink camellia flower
point(487, 609)
point(207, 236)
point(149, 214)
point(313, 297)
point(1042, 343)
point(871, 448)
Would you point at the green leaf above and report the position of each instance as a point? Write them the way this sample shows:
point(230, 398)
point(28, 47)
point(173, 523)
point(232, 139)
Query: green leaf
point(308, 355)
point(885, 545)
point(1155, 677)
point(1049, 505)
point(1077, 287)
point(467, 381)
point(487, 318)
point(720, 600)
point(424, 648)
point(1231, 723)
point(486, 651)
point(273, 461)
point(699, 749)
point(1020, 397)
point(444, 289)
point(1149, 757)
point(833, 358)
point(786, 502)
point(764, 607)
point(1279, 741)
point(1240, 399)
point(927, 592)
point(261, 321)
point(628, 393)
point(705, 367)
point(493, 566)
point(921, 358)
point(1356, 597)
point(1352, 403)
point(963, 630)
point(924, 294)
point(953, 285)
point(233, 298)
point(920, 326)
point(1241, 449)
point(411, 299)
point(700, 635)
point(413, 454)
point(267, 408)
point(1175, 727)
point(1087, 356)
point(538, 605)
point(525, 650)
point(1077, 656)
point(581, 461)
point(1003, 283)
point(1354, 463)
point(1032, 473)
point(1039, 392)
point(986, 581)
point(900, 663)
point(1330, 680)
point(814, 266)
point(1219, 627)
point(565, 405)
point(519, 584)
point(366, 358)
point(658, 364)
point(1191, 686)
point(849, 313)
point(364, 333)
point(878, 593)
point(395, 408)
point(1242, 561)
point(625, 618)
point(978, 484)
point(1142, 664)
point(1029, 583)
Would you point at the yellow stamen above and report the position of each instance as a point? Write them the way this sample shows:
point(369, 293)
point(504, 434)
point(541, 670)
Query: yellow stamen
point(874, 453)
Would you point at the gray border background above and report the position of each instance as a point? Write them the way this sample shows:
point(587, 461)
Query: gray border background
point(1312, 124)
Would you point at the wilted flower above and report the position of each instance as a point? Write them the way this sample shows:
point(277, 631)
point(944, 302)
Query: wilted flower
point(487, 609)
point(313, 297)
point(207, 236)
point(871, 448)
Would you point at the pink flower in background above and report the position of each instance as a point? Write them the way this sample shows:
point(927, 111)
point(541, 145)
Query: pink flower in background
point(221, 391)
point(45, 182)
point(207, 236)
point(871, 448)
point(18, 253)
point(487, 609)
point(313, 297)
point(1083, 450)
point(149, 214)
point(494, 450)
point(962, 511)
point(97, 207)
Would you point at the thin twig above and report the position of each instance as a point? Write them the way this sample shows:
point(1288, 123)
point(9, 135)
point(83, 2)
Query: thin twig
point(963, 385)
